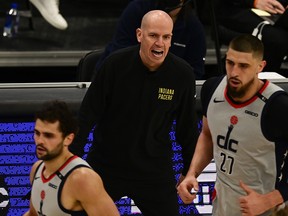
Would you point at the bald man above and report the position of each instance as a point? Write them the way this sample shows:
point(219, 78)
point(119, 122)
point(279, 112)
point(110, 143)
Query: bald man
point(132, 102)
point(189, 39)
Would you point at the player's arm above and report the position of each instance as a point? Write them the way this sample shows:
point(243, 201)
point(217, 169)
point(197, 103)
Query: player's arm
point(203, 152)
point(91, 194)
point(201, 158)
point(32, 211)
point(255, 203)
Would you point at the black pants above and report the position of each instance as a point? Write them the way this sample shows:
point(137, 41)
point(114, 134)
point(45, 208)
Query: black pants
point(153, 198)
point(275, 39)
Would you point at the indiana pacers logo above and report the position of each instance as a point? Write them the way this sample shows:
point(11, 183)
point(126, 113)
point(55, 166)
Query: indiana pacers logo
point(224, 141)
point(165, 94)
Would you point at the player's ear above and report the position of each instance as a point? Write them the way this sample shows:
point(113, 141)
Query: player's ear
point(261, 65)
point(68, 139)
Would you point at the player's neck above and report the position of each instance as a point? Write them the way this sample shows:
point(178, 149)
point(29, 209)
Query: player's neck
point(51, 166)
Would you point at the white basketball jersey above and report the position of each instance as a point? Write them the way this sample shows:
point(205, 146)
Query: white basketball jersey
point(46, 193)
point(241, 152)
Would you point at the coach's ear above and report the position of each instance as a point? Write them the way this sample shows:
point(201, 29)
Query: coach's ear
point(139, 35)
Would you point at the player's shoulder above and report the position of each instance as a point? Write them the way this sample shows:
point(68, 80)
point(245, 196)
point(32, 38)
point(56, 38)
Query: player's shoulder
point(34, 169)
point(36, 165)
point(83, 174)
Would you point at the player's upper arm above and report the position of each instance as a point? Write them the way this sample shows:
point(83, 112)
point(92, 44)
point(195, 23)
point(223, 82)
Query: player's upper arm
point(92, 194)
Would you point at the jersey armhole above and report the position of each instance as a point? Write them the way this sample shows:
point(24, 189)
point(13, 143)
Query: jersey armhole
point(36, 170)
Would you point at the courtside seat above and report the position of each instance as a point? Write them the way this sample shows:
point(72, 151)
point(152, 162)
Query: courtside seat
point(86, 65)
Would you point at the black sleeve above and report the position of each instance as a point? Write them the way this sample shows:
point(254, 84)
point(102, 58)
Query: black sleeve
point(188, 133)
point(282, 185)
point(275, 118)
point(186, 119)
point(92, 107)
point(275, 127)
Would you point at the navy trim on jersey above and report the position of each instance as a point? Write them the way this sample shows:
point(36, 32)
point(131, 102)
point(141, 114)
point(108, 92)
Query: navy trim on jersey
point(73, 213)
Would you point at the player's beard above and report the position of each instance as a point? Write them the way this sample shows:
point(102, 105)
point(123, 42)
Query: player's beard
point(240, 91)
point(50, 155)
